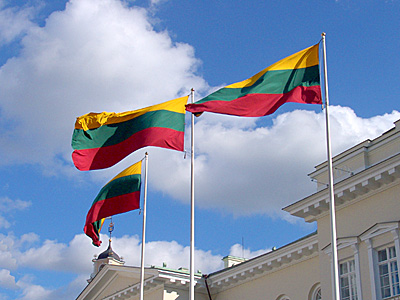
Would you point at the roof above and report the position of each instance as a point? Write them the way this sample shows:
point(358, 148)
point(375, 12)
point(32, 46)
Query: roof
point(109, 253)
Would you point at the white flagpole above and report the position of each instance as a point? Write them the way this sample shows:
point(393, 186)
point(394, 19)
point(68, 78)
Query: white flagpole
point(191, 293)
point(335, 266)
point(143, 227)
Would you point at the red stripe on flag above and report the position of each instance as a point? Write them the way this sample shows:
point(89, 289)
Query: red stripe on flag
point(109, 207)
point(258, 105)
point(107, 156)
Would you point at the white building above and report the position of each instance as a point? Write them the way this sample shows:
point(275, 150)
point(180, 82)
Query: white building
point(367, 193)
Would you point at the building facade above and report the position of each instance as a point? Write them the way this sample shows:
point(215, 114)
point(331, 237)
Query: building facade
point(367, 196)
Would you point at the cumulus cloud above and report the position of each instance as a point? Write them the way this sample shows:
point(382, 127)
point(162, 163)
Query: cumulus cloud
point(51, 255)
point(93, 56)
point(27, 252)
point(101, 55)
point(106, 55)
point(7, 281)
point(26, 289)
point(11, 248)
point(4, 223)
point(238, 251)
point(245, 169)
point(14, 22)
point(7, 206)
point(32, 291)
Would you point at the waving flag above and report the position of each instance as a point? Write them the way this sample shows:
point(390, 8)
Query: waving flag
point(292, 79)
point(119, 195)
point(100, 140)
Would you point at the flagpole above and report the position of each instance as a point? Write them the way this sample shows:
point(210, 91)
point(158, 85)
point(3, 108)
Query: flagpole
point(335, 266)
point(191, 293)
point(143, 227)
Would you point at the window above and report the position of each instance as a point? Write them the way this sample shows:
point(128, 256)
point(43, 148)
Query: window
point(347, 275)
point(317, 294)
point(388, 272)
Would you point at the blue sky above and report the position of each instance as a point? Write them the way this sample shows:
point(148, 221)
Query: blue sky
point(62, 59)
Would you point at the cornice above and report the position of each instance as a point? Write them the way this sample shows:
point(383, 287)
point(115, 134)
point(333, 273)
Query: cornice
point(270, 262)
point(367, 145)
point(361, 184)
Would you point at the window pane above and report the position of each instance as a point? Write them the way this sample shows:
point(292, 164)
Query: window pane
point(392, 252)
point(393, 266)
point(383, 269)
point(343, 269)
point(386, 292)
point(351, 266)
point(388, 272)
point(318, 295)
point(348, 287)
point(344, 282)
point(382, 255)
point(385, 281)
point(396, 289)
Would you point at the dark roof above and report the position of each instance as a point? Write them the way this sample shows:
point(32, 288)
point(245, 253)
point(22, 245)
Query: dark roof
point(109, 253)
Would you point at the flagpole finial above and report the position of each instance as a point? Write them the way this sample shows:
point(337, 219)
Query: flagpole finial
point(323, 34)
point(111, 228)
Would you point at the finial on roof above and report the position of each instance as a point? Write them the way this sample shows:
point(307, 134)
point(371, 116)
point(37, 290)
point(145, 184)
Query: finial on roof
point(111, 228)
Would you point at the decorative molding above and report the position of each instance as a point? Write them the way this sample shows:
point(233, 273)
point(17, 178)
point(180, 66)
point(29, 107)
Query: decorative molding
point(343, 243)
point(352, 189)
point(264, 264)
point(378, 229)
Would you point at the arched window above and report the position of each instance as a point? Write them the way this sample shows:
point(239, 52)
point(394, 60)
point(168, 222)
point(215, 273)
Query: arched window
point(315, 292)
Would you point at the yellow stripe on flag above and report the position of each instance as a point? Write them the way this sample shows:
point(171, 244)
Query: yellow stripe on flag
point(132, 170)
point(303, 59)
point(95, 120)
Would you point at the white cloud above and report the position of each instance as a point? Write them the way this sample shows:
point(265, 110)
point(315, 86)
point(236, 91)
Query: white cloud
point(14, 22)
point(11, 248)
point(26, 289)
point(7, 281)
point(8, 205)
point(238, 251)
point(4, 223)
point(105, 55)
point(32, 291)
point(76, 257)
point(26, 252)
point(94, 56)
point(247, 170)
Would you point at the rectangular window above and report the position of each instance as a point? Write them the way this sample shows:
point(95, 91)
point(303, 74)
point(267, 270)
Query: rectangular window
point(347, 275)
point(388, 272)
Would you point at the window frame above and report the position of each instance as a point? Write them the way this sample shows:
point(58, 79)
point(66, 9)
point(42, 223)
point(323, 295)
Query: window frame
point(373, 239)
point(353, 243)
point(388, 261)
point(316, 292)
point(351, 276)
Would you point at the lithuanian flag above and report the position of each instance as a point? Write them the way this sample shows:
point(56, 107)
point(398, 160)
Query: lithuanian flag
point(292, 79)
point(100, 140)
point(119, 195)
